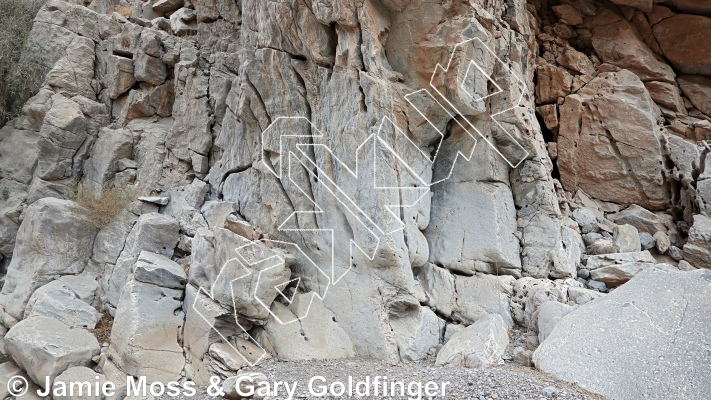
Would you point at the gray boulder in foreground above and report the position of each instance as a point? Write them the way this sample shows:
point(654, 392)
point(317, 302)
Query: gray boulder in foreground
point(649, 339)
point(45, 347)
point(477, 346)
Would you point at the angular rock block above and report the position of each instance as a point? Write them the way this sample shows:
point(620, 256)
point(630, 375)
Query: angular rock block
point(478, 346)
point(647, 339)
point(144, 336)
point(45, 347)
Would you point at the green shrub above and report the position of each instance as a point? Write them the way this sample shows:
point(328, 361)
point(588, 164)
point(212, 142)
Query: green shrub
point(21, 73)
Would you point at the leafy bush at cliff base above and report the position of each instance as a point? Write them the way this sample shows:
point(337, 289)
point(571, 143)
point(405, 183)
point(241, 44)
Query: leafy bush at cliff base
point(20, 72)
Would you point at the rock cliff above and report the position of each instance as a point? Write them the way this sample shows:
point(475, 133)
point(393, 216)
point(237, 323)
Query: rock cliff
point(231, 180)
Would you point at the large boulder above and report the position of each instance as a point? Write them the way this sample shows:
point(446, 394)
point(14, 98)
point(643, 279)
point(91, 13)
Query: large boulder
point(609, 142)
point(59, 301)
point(478, 346)
point(697, 249)
point(56, 238)
point(417, 334)
point(646, 339)
point(684, 41)
point(609, 31)
point(145, 333)
point(698, 89)
point(80, 374)
point(45, 347)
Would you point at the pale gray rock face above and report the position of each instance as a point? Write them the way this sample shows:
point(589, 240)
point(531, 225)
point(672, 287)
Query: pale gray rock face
point(606, 260)
point(159, 270)
point(494, 250)
point(466, 298)
point(480, 345)
point(190, 114)
point(314, 336)
point(530, 293)
point(697, 250)
point(111, 146)
point(215, 269)
point(144, 336)
point(57, 300)
point(631, 337)
point(617, 274)
point(153, 232)
point(45, 347)
point(550, 313)
point(55, 239)
point(80, 374)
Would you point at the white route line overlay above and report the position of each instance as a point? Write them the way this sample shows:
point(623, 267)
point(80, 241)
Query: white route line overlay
point(304, 159)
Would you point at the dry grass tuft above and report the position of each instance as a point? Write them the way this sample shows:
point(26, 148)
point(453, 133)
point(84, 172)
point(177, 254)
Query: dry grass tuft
point(102, 332)
point(21, 68)
point(108, 204)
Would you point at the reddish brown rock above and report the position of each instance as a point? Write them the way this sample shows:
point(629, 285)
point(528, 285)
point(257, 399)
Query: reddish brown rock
point(684, 40)
point(553, 82)
point(698, 89)
point(576, 61)
point(609, 142)
point(617, 43)
point(642, 5)
point(667, 96)
point(639, 20)
point(659, 13)
point(569, 13)
point(699, 7)
point(549, 113)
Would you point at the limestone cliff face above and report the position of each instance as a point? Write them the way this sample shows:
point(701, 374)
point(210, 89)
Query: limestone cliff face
point(388, 198)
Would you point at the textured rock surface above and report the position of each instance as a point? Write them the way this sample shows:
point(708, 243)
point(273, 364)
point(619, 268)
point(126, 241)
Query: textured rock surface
point(609, 142)
point(144, 336)
point(55, 239)
point(45, 347)
point(478, 346)
point(588, 149)
point(302, 340)
point(629, 338)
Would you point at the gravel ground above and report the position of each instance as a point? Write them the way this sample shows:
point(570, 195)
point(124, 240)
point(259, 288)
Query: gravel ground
point(509, 381)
